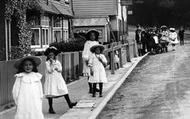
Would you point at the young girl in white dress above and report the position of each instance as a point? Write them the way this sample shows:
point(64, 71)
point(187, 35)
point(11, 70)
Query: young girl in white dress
point(92, 39)
point(173, 38)
point(97, 62)
point(54, 85)
point(27, 89)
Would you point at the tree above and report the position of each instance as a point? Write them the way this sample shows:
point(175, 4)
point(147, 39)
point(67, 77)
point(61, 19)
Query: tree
point(17, 9)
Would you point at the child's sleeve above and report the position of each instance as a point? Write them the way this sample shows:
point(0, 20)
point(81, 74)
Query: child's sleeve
point(85, 53)
point(39, 76)
point(104, 60)
point(59, 66)
point(49, 68)
point(16, 88)
point(40, 88)
point(90, 62)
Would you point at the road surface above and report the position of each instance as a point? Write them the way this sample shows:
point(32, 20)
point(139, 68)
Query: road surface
point(158, 88)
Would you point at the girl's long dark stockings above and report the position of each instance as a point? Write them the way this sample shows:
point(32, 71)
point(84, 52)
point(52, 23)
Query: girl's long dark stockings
point(90, 87)
point(70, 104)
point(94, 89)
point(50, 101)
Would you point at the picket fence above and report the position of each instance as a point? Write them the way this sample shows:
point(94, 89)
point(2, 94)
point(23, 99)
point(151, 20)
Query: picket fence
point(72, 64)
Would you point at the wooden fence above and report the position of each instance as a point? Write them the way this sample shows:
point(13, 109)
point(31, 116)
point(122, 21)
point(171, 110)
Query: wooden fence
point(72, 67)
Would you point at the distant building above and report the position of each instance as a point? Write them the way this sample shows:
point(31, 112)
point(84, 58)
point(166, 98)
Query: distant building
point(50, 22)
point(95, 14)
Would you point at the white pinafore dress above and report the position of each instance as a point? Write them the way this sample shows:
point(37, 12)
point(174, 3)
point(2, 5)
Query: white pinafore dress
point(54, 85)
point(99, 73)
point(27, 94)
point(86, 55)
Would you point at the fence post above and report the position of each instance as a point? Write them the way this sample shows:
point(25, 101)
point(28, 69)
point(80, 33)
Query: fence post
point(128, 52)
point(80, 64)
point(120, 57)
point(112, 60)
point(135, 50)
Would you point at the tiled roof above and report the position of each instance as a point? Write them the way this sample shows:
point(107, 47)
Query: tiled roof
point(47, 8)
point(62, 9)
point(55, 8)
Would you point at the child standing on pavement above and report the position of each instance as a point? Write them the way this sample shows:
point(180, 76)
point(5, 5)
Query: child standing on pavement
point(27, 89)
point(116, 59)
point(55, 85)
point(92, 39)
point(97, 62)
point(173, 38)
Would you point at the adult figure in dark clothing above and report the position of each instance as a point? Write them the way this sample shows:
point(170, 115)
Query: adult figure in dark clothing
point(181, 35)
point(144, 40)
point(149, 40)
point(138, 40)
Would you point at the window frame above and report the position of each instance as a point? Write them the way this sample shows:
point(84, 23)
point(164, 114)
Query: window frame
point(37, 46)
point(40, 39)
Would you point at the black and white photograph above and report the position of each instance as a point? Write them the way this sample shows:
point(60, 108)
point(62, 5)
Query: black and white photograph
point(95, 59)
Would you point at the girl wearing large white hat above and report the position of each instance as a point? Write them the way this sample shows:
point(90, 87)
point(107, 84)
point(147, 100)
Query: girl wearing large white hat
point(27, 90)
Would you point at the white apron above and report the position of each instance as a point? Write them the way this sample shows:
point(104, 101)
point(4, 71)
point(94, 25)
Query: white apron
point(27, 94)
point(99, 73)
point(173, 38)
point(54, 83)
point(86, 55)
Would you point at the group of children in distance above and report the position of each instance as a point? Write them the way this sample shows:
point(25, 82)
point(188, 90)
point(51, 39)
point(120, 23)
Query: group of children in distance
point(28, 92)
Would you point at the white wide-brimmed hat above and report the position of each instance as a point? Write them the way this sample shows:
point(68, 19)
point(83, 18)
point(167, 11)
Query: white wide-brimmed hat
point(172, 29)
point(36, 60)
point(93, 48)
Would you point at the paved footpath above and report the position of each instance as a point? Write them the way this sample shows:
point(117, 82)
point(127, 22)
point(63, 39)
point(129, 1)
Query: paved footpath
point(87, 107)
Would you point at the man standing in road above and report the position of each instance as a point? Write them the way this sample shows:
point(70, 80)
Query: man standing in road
point(181, 35)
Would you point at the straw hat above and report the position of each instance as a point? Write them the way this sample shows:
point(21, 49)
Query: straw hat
point(37, 60)
point(93, 48)
point(163, 26)
point(51, 49)
point(172, 29)
point(92, 31)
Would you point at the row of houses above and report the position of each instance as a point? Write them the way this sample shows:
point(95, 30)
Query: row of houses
point(58, 20)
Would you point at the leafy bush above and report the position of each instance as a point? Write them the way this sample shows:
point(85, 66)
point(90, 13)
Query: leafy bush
point(75, 44)
point(15, 53)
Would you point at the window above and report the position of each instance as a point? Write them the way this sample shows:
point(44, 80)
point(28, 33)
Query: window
point(45, 21)
point(57, 33)
point(41, 34)
point(57, 29)
point(35, 37)
point(57, 22)
point(65, 29)
point(60, 29)
point(66, 35)
point(34, 20)
point(45, 38)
